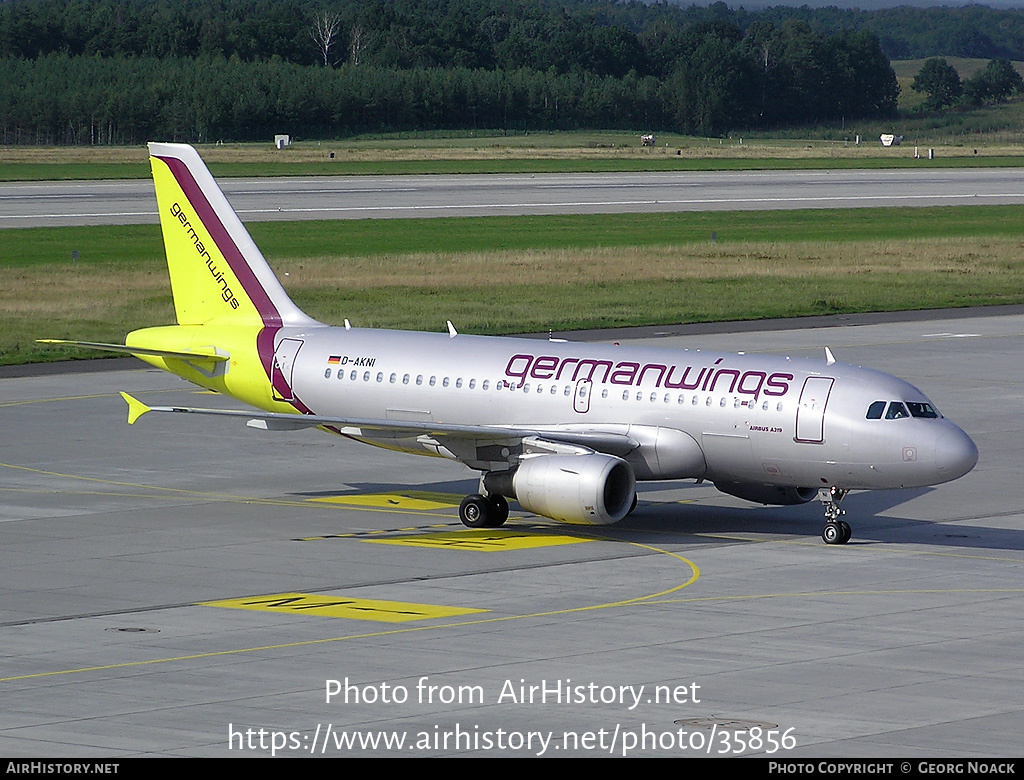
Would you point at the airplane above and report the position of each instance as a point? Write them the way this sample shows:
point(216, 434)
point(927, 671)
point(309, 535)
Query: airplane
point(565, 429)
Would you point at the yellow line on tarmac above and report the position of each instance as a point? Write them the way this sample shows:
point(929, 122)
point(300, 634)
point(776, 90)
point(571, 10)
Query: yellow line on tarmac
point(694, 576)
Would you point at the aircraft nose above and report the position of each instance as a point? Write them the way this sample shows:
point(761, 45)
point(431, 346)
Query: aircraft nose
point(955, 454)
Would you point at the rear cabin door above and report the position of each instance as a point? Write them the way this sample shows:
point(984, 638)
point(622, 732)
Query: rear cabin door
point(284, 365)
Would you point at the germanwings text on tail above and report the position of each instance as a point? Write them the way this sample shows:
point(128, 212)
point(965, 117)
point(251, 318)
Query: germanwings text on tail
point(564, 429)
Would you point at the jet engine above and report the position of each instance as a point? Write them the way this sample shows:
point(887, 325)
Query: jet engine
point(768, 494)
point(591, 489)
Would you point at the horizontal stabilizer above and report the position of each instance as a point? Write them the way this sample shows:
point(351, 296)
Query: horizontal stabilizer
point(209, 353)
point(135, 408)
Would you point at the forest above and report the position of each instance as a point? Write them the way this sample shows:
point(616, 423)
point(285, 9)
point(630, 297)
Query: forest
point(124, 71)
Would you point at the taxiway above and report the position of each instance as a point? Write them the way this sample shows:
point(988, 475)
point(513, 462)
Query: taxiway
point(174, 587)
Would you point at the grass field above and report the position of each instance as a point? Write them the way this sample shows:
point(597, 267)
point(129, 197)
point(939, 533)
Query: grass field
point(527, 274)
point(495, 152)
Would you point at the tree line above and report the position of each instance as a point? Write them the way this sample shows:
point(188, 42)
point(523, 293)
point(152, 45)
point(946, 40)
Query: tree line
point(940, 81)
point(467, 33)
point(124, 71)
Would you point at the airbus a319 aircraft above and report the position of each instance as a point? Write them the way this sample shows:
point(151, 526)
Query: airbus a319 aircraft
point(565, 429)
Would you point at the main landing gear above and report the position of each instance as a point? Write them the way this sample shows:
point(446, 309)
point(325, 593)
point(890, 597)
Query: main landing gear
point(836, 531)
point(478, 511)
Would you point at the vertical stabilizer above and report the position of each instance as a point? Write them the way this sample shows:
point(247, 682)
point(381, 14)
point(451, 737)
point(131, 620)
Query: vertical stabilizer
point(218, 275)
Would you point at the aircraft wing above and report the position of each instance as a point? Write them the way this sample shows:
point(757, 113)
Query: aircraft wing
point(608, 442)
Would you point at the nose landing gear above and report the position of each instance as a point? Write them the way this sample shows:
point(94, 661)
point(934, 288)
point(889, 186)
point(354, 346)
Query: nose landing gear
point(836, 531)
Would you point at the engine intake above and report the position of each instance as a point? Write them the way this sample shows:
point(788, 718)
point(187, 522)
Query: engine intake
point(590, 489)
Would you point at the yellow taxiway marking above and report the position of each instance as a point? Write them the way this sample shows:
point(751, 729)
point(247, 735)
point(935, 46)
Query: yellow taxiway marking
point(409, 499)
point(460, 624)
point(343, 607)
point(482, 540)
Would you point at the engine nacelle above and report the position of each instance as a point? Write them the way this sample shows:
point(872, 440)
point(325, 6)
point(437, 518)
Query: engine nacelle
point(768, 494)
point(592, 489)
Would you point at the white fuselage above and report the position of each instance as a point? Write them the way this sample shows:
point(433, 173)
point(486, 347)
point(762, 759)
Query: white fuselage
point(756, 419)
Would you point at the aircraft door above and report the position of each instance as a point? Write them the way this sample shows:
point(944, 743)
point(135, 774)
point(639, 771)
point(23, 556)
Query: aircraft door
point(581, 398)
point(284, 365)
point(810, 412)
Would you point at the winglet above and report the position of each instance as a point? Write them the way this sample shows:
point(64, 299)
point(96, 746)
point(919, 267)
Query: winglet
point(829, 357)
point(452, 333)
point(135, 408)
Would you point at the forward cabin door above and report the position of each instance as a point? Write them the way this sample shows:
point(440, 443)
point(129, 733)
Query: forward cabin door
point(810, 412)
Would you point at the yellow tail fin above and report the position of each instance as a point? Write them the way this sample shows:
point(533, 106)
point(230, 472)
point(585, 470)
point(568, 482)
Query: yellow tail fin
point(218, 275)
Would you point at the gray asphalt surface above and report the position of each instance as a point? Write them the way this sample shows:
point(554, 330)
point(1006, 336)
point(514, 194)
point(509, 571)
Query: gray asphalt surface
point(133, 202)
point(172, 588)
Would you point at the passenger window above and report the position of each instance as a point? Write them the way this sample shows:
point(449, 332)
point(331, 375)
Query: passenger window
point(366, 376)
point(405, 379)
point(433, 381)
point(380, 376)
point(486, 385)
point(875, 410)
point(419, 379)
point(393, 378)
point(472, 384)
point(327, 374)
point(444, 382)
point(604, 393)
point(896, 411)
point(625, 395)
point(341, 374)
point(352, 376)
point(458, 382)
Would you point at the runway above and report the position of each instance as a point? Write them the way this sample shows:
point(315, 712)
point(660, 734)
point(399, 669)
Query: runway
point(190, 587)
point(358, 197)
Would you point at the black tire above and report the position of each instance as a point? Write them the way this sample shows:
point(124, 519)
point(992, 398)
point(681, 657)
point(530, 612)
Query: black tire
point(847, 531)
point(497, 510)
point(473, 511)
point(830, 534)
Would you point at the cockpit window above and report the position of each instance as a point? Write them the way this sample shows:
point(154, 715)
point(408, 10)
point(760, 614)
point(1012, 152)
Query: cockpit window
point(919, 409)
point(875, 410)
point(896, 411)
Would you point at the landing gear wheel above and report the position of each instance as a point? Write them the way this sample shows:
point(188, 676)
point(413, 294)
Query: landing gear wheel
point(847, 531)
point(838, 532)
point(473, 511)
point(497, 510)
point(830, 534)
